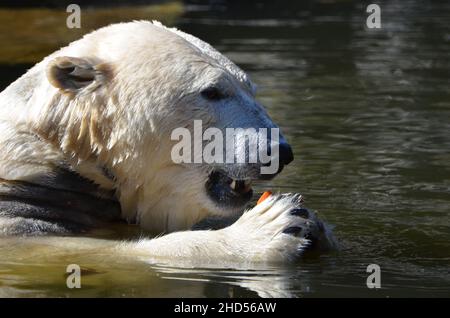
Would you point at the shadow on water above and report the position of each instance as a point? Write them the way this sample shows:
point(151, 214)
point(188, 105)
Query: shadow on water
point(365, 110)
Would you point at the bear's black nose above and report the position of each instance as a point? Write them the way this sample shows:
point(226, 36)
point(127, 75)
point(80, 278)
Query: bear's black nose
point(286, 155)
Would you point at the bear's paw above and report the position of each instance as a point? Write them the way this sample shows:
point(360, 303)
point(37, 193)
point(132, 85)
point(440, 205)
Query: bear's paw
point(278, 229)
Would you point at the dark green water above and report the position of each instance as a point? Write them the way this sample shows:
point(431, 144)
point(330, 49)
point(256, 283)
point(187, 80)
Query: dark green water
point(368, 115)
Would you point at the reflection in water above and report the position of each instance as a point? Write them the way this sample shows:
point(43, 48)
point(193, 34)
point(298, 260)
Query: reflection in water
point(367, 114)
point(273, 282)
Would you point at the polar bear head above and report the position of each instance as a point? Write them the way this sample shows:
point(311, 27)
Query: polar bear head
point(112, 101)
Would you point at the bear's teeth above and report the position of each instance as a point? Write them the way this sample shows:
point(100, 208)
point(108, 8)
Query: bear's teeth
point(241, 185)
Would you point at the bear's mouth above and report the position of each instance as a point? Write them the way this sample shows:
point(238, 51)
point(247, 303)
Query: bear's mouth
point(228, 192)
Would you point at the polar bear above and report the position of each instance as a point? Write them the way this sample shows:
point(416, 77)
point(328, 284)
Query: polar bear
point(86, 140)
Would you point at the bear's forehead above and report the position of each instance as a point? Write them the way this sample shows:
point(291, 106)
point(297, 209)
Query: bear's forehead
point(208, 50)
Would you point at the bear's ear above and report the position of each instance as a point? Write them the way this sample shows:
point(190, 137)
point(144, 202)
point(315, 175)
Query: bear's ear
point(71, 73)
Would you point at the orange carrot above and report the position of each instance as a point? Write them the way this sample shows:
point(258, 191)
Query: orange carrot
point(264, 196)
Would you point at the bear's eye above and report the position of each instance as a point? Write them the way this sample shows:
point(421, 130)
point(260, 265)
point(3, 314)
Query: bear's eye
point(212, 93)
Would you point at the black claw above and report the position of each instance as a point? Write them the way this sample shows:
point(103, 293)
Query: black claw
point(301, 212)
point(293, 230)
